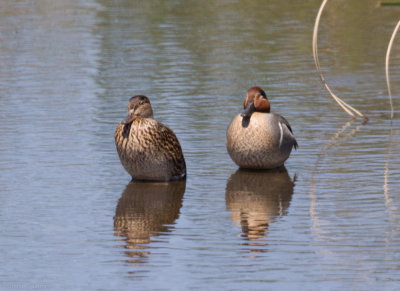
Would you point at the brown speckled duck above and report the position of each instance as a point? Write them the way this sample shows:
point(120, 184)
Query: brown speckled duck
point(148, 149)
point(256, 138)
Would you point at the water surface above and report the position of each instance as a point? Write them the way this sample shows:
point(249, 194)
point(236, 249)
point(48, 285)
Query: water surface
point(69, 217)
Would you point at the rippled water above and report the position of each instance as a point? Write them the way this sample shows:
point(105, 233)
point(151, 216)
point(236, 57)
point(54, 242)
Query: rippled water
point(69, 217)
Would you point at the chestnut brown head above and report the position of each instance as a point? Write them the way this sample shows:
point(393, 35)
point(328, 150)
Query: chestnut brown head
point(256, 100)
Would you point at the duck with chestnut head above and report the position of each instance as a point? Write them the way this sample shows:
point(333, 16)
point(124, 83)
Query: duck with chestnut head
point(148, 150)
point(256, 138)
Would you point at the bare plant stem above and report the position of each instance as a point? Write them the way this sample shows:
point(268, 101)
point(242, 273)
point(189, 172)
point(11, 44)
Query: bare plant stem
point(346, 107)
point(387, 67)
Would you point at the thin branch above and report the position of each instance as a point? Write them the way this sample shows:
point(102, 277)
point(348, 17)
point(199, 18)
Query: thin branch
point(346, 107)
point(387, 67)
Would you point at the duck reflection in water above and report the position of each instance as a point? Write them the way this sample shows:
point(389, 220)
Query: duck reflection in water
point(258, 198)
point(146, 210)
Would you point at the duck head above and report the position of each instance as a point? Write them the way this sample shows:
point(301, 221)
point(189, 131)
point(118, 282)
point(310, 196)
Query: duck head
point(256, 100)
point(138, 106)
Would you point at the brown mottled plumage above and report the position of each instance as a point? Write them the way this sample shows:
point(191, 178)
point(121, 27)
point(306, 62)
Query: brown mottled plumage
point(256, 138)
point(148, 149)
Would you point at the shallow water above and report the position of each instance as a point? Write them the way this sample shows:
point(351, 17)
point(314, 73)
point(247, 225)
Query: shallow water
point(69, 217)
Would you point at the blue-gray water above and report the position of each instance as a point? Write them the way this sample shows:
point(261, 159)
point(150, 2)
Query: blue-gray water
point(69, 219)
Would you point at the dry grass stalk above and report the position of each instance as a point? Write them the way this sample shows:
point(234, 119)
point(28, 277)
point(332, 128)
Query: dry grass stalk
point(387, 67)
point(346, 107)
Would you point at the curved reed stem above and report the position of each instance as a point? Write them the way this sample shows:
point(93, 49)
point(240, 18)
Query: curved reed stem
point(346, 107)
point(387, 67)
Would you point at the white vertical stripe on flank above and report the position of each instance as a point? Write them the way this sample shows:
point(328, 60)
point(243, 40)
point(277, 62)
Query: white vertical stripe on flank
point(281, 130)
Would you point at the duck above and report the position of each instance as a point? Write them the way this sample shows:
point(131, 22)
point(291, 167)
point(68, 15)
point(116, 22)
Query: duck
point(257, 138)
point(148, 149)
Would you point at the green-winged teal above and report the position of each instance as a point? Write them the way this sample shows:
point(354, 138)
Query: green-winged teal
point(148, 149)
point(256, 138)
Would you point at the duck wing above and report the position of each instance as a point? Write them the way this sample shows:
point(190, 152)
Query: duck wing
point(169, 145)
point(283, 120)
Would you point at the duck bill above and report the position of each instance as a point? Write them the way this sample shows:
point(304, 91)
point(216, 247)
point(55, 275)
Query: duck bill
point(128, 119)
point(248, 111)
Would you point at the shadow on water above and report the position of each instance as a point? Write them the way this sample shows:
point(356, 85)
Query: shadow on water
point(146, 210)
point(258, 198)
